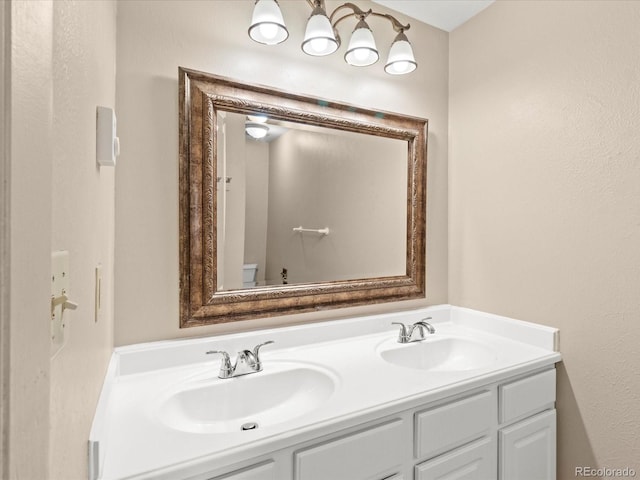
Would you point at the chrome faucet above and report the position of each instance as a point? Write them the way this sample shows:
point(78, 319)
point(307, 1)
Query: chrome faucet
point(406, 331)
point(247, 362)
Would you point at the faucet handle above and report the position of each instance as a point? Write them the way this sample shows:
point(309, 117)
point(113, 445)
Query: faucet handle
point(225, 366)
point(253, 358)
point(404, 332)
point(260, 345)
point(256, 352)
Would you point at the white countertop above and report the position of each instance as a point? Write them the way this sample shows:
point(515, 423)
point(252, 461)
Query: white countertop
point(131, 439)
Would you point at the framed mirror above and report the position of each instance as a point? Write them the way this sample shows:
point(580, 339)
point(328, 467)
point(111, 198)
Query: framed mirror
point(291, 204)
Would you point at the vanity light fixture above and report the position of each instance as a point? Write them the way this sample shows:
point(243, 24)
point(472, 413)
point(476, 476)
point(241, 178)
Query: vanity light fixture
point(322, 38)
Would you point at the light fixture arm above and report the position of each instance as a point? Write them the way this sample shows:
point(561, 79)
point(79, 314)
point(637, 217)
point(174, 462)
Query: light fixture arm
point(356, 12)
point(397, 26)
point(361, 15)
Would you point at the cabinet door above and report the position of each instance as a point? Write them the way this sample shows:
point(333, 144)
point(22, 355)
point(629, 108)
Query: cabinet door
point(528, 449)
point(475, 461)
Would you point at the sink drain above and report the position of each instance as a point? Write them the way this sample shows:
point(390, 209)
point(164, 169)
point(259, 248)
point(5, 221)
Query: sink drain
point(249, 426)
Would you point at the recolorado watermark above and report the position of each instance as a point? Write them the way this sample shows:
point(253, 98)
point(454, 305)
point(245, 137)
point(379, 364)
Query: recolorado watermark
point(605, 472)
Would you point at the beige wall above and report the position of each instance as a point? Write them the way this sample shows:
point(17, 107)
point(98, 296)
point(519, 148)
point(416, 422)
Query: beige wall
point(83, 203)
point(154, 38)
point(544, 196)
point(30, 165)
point(62, 67)
point(232, 198)
point(5, 235)
point(255, 241)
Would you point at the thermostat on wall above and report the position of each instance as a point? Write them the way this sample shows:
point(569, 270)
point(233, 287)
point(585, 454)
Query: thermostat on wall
point(107, 143)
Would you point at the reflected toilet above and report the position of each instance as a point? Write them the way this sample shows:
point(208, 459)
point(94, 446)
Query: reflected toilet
point(249, 273)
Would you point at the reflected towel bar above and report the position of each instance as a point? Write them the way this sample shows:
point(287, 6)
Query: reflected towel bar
point(322, 231)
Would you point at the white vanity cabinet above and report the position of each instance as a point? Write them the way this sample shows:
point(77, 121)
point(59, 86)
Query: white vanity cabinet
point(378, 450)
point(527, 435)
point(475, 400)
point(502, 431)
point(458, 438)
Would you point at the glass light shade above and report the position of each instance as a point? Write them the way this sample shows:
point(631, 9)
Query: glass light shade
point(267, 24)
point(362, 49)
point(401, 59)
point(256, 130)
point(319, 38)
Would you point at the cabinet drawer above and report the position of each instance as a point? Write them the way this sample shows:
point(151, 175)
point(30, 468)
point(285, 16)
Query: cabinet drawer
point(475, 461)
point(263, 471)
point(363, 455)
point(527, 396)
point(448, 426)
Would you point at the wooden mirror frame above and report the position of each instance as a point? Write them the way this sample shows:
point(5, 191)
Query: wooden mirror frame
point(201, 95)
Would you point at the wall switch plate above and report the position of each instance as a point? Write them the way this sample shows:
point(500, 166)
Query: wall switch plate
point(59, 287)
point(107, 143)
point(98, 293)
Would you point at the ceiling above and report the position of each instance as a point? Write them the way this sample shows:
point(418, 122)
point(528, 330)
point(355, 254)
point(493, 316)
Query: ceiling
point(443, 14)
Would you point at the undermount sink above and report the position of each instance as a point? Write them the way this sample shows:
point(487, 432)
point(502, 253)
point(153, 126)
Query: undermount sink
point(445, 354)
point(279, 393)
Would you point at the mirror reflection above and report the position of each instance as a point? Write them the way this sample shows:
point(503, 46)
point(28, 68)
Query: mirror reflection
point(300, 203)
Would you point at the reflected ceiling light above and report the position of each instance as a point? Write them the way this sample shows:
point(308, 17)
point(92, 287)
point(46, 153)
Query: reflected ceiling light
point(322, 38)
point(267, 24)
point(256, 130)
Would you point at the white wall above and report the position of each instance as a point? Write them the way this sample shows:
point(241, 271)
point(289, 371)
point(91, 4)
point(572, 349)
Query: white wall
point(544, 200)
point(154, 38)
point(61, 67)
